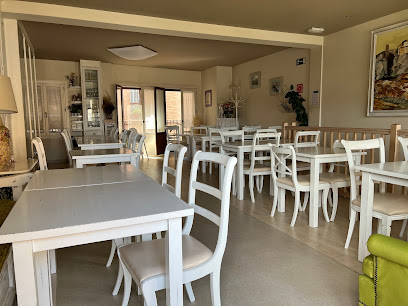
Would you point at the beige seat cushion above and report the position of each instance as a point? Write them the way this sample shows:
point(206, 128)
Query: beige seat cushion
point(147, 259)
point(388, 203)
point(258, 168)
point(302, 179)
point(334, 177)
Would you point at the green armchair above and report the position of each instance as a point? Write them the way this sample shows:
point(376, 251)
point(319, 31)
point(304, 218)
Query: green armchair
point(385, 278)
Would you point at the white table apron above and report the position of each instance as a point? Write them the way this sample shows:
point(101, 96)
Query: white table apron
point(101, 146)
point(81, 160)
point(32, 262)
point(367, 197)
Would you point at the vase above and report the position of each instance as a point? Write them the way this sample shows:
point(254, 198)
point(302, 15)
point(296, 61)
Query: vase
point(5, 147)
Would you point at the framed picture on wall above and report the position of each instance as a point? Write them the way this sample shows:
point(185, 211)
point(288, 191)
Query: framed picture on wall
point(388, 88)
point(208, 98)
point(275, 86)
point(255, 80)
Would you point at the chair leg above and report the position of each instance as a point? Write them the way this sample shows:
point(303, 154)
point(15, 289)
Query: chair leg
point(149, 296)
point(209, 168)
point(215, 287)
point(234, 183)
point(335, 202)
point(190, 292)
point(404, 224)
point(305, 200)
point(128, 286)
point(271, 188)
point(379, 226)
point(325, 194)
point(275, 200)
point(351, 228)
point(112, 254)
point(386, 227)
point(296, 208)
point(251, 188)
point(158, 235)
point(330, 198)
point(118, 280)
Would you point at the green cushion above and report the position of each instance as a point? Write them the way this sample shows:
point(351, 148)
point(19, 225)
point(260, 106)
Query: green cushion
point(366, 294)
point(368, 266)
point(392, 249)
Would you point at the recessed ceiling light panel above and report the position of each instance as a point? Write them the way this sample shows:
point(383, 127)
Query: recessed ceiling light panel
point(315, 30)
point(133, 53)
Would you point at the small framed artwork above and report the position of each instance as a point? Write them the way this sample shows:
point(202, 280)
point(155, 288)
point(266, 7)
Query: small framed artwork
point(275, 86)
point(388, 94)
point(208, 98)
point(255, 80)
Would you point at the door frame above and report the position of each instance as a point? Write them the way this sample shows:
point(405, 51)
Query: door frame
point(159, 136)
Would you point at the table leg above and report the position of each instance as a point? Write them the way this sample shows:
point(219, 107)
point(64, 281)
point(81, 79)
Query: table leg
point(203, 148)
point(43, 275)
point(314, 193)
point(79, 164)
point(134, 161)
point(25, 273)
point(240, 174)
point(53, 261)
point(366, 214)
point(174, 264)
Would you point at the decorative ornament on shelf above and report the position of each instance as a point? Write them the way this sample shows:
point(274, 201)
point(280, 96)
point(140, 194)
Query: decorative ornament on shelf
point(7, 106)
point(236, 100)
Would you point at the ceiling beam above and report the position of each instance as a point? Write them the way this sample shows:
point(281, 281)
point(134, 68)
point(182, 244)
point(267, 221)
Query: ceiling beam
point(68, 15)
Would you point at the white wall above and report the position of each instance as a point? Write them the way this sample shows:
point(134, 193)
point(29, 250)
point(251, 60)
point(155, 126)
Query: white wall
point(346, 76)
point(260, 108)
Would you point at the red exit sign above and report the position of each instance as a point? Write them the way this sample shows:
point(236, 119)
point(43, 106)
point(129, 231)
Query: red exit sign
point(299, 88)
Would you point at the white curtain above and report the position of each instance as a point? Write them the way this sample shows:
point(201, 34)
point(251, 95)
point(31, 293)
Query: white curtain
point(188, 109)
point(150, 124)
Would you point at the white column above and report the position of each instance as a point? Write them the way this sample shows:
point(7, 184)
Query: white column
point(14, 72)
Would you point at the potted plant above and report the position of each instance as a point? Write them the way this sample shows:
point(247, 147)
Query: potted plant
point(108, 106)
point(75, 109)
point(296, 101)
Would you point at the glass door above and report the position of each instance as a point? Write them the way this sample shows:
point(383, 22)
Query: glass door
point(93, 115)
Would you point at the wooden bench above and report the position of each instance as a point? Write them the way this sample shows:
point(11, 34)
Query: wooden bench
point(7, 284)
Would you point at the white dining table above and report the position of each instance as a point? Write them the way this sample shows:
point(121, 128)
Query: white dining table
point(60, 216)
point(87, 157)
point(204, 139)
point(101, 142)
point(392, 173)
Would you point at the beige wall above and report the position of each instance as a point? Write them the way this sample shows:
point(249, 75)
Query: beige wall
point(260, 108)
point(346, 76)
point(218, 79)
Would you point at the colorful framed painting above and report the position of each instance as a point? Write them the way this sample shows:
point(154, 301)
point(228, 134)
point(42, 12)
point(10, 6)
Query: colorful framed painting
point(388, 89)
point(208, 98)
point(255, 80)
point(275, 86)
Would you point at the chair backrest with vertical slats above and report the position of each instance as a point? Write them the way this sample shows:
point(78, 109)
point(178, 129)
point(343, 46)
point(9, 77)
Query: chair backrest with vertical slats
point(172, 133)
point(179, 153)
point(222, 193)
point(39, 147)
point(116, 134)
point(68, 146)
point(312, 139)
point(257, 147)
point(231, 135)
point(137, 143)
point(124, 135)
point(361, 145)
point(199, 130)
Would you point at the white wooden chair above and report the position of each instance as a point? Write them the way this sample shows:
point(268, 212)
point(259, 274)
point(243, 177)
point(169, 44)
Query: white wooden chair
point(116, 134)
point(131, 134)
point(136, 144)
point(387, 207)
point(39, 147)
point(268, 130)
point(198, 260)
point(257, 168)
point(286, 178)
point(68, 146)
point(404, 145)
point(113, 131)
point(172, 133)
point(124, 135)
point(214, 145)
point(250, 130)
point(276, 127)
point(199, 131)
point(312, 140)
point(335, 179)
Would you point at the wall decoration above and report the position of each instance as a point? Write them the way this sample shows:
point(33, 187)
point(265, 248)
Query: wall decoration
point(388, 91)
point(208, 98)
point(255, 80)
point(275, 86)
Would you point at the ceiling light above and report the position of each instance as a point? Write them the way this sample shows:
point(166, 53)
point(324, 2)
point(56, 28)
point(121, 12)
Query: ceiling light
point(315, 30)
point(133, 53)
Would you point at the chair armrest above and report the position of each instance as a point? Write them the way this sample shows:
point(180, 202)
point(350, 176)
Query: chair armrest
point(392, 249)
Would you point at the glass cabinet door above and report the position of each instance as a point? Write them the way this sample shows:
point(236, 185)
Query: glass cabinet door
point(92, 98)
